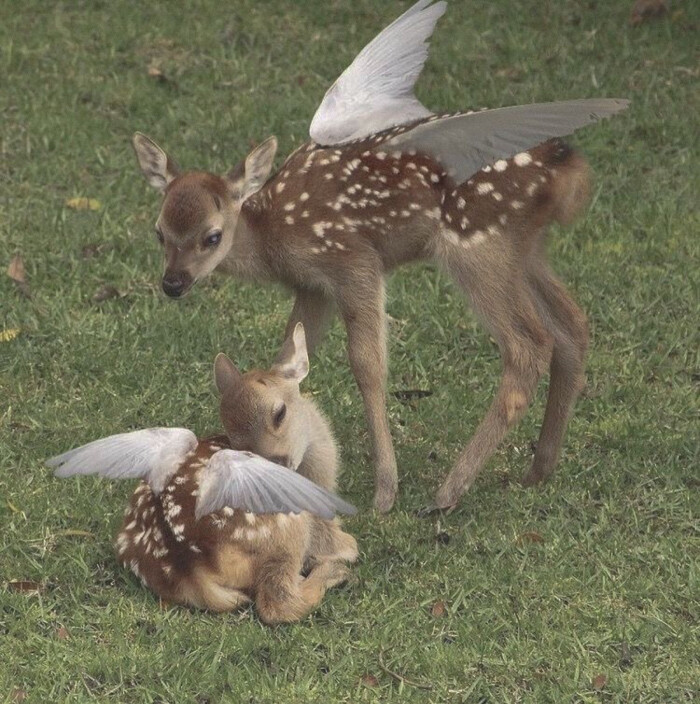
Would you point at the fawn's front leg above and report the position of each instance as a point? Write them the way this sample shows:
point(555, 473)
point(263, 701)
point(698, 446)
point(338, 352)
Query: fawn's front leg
point(362, 307)
point(315, 311)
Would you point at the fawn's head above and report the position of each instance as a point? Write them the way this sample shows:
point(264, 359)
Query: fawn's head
point(263, 411)
point(199, 214)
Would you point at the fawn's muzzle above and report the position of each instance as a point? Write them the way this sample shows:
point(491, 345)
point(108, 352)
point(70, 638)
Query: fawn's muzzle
point(177, 284)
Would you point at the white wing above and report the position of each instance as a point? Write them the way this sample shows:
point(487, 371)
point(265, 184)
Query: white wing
point(376, 91)
point(246, 481)
point(154, 454)
point(465, 143)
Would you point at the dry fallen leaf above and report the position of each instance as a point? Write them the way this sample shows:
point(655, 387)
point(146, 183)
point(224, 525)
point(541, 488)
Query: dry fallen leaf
point(16, 272)
point(599, 681)
point(155, 73)
point(9, 334)
point(18, 695)
point(529, 537)
point(369, 681)
point(439, 609)
point(83, 203)
point(62, 633)
point(25, 586)
point(646, 9)
point(104, 293)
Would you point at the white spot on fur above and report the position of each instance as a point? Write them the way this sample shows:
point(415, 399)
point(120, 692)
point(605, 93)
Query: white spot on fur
point(461, 203)
point(280, 187)
point(522, 159)
point(530, 190)
point(290, 206)
point(503, 219)
point(484, 188)
point(289, 220)
point(486, 169)
point(464, 223)
point(328, 176)
point(497, 196)
point(304, 196)
point(501, 165)
point(516, 204)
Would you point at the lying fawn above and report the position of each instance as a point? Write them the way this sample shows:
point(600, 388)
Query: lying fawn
point(191, 533)
point(384, 183)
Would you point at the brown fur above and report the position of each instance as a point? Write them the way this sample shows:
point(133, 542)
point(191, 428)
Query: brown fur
point(332, 222)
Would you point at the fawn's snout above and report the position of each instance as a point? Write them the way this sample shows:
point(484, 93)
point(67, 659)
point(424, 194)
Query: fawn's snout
point(177, 284)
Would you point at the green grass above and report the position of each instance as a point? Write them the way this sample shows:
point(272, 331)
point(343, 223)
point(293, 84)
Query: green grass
point(611, 589)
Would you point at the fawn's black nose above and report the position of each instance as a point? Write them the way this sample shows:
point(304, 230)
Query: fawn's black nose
point(173, 287)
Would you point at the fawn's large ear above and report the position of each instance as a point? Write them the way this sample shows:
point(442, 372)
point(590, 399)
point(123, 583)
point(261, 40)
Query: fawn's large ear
point(250, 176)
point(226, 374)
point(293, 360)
point(158, 168)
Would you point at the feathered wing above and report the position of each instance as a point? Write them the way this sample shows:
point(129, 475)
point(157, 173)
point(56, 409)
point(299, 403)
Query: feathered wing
point(466, 143)
point(376, 91)
point(248, 482)
point(154, 454)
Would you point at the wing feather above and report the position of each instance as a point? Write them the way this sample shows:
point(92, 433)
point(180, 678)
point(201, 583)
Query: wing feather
point(376, 91)
point(466, 143)
point(245, 481)
point(153, 454)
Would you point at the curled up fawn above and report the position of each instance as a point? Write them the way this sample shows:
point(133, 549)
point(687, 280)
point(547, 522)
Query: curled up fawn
point(384, 182)
point(216, 528)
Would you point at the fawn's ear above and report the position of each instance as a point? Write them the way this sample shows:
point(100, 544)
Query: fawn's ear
point(293, 360)
point(158, 168)
point(250, 175)
point(226, 374)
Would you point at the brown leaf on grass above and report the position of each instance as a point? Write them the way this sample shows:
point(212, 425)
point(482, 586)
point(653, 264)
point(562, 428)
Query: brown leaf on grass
point(26, 586)
point(82, 203)
point(369, 680)
point(18, 695)
point(94, 249)
point(16, 272)
point(157, 75)
point(439, 609)
point(647, 9)
point(105, 293)
point(599, 682)
point(529, 537)
point(62, 633)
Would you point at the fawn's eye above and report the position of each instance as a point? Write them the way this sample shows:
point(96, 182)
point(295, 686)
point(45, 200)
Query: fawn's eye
point(279, 415)
point(159, 236)
point(212, 239)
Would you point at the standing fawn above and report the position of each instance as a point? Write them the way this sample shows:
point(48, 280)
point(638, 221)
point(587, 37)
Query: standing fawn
point(191, 533)
point(383, 183)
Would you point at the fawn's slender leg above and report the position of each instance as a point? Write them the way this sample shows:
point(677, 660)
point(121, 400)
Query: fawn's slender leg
point(502, 299)
point(362, 309)
point(565, 320)
point(315, 311)
point(283, 595)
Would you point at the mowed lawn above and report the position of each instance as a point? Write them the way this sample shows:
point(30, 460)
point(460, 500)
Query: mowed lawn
point(584, 590)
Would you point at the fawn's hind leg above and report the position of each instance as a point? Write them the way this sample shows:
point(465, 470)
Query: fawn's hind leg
point(500, 295)
point(567, 323)
point(283, 595)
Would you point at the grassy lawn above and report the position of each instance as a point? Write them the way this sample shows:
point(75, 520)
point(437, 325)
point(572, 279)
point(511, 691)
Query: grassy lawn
point(585, 590)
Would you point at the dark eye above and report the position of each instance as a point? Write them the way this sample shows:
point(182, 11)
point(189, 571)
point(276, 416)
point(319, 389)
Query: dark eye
point(212, 239)
point(279, 416)
point(159, 235)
